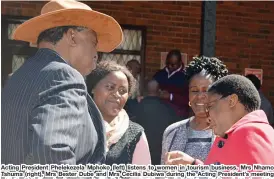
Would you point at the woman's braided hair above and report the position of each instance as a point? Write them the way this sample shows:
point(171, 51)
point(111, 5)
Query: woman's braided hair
point(211, 66)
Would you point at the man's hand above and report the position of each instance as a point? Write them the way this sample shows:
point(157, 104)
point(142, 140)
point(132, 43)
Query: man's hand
point(177, 158)
point(164, 95)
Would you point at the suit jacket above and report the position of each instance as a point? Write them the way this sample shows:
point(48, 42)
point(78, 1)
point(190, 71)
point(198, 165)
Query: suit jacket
point(267, 108)
point(152, 112)
point(48, 116)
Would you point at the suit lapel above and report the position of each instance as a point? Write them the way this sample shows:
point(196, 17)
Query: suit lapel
point(98, 124)
point(94, 113)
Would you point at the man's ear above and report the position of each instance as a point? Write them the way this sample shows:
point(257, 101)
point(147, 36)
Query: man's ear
point(233, 100)
point(71, 37)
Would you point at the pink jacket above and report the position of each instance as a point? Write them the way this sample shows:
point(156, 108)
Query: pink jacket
point(248, 141)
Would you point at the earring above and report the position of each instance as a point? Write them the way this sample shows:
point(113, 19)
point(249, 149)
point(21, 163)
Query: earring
point(189, 104)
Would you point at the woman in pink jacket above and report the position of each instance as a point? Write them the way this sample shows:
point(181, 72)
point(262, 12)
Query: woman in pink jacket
point(245, 136)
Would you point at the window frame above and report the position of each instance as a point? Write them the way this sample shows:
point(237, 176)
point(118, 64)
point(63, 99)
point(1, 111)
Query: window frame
point(142, 51)
point(13, 47)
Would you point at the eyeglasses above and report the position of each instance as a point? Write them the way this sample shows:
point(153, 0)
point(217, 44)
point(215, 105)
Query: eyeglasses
point(209, 105)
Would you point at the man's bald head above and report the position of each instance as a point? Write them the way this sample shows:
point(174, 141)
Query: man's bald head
point(153, 88)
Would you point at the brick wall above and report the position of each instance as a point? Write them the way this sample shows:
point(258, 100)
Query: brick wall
point(245, 39)
point(21, 8)
point(244, 35)
point(169, 24)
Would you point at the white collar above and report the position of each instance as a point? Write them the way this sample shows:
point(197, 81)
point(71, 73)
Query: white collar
point(168, 73)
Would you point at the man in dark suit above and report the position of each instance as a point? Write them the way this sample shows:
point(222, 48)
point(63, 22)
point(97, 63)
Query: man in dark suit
point(265, 103)
point(154, 115)
point(47, 115)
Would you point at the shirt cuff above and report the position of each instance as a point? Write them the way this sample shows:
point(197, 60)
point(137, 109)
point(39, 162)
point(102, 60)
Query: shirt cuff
point(171, 96)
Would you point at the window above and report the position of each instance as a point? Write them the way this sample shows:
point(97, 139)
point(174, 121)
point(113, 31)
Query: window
point(17, 61)
point(132, 47)
point(11, 29)
point(15, 53)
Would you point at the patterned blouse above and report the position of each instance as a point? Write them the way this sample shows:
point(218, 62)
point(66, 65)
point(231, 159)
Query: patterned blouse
point(180, 136)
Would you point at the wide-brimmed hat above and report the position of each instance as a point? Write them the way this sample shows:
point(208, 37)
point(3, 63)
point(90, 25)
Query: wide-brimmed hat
point(58, 13)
